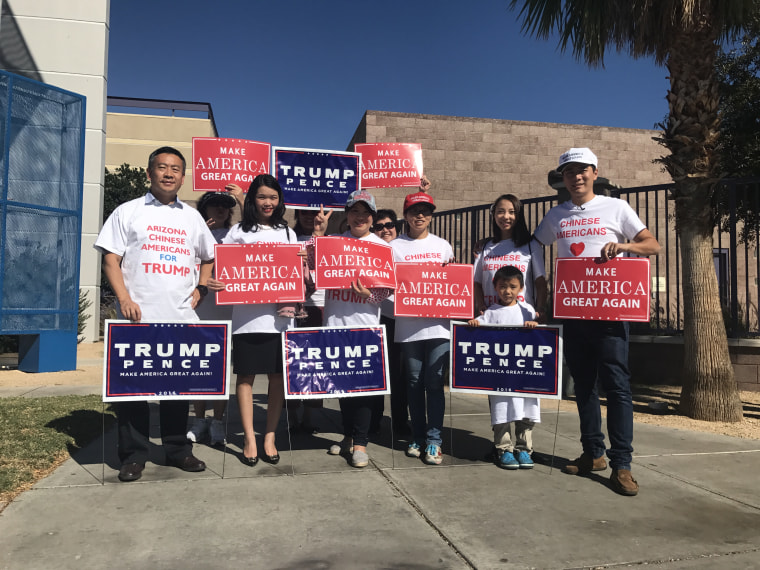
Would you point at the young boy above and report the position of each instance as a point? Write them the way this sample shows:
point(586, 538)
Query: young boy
point(507, 410)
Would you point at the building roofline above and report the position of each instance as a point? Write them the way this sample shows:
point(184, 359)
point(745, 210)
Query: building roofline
point(165, 105)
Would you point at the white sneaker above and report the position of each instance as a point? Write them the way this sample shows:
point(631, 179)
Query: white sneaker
point(359, 459)
point(414, 450)
point(433, 455)
point(345, 447)
point(217, 433)
point(197, 430)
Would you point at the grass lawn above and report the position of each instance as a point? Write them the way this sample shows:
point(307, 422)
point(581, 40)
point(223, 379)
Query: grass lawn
point(38, 434)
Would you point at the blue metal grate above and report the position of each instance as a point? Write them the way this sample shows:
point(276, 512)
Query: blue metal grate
point(41, 174)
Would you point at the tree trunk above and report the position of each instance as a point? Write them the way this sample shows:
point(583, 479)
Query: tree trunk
point(690, 133)
point(709, 389)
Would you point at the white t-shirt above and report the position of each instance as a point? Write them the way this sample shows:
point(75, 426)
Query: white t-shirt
point(513, 316)
point(159, 244)
point(259, 318)
point(208, 310)
point(343, 307)
point(430, 249)
point(528, 258)
point(511, 408)
point(582, 231)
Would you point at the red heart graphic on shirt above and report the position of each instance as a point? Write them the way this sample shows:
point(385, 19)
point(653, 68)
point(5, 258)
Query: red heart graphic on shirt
point(577, 248)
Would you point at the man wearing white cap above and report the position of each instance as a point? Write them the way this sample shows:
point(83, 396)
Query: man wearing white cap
point(598, 349)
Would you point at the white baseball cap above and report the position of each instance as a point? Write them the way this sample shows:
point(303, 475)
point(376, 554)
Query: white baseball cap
point(579, 155)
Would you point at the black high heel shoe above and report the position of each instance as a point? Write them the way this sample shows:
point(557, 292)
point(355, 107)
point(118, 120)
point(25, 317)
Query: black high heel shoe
point(273, 459)
point(250, 461)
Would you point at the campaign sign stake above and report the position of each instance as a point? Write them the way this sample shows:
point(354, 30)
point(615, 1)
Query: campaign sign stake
point(218, 162)
point(588, 288)
point(507, 360)
point(313, 178)
point(433, 290)
point(166, 361)
point(260, 272)
point(335, 362)
point(340, 260)
point(390, 165)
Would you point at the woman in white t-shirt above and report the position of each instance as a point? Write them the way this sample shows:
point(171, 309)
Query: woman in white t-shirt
point(511, 244)
point(216, 208)
point(313, 307)
point(257, 328)
point(350, 307)
point(386, 227)
point(424, 341)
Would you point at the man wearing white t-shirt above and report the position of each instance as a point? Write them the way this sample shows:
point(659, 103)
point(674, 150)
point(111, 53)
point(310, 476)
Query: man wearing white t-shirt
point(597, 226)
point(149, 247)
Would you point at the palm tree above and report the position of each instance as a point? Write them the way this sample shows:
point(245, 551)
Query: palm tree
point(683, 35)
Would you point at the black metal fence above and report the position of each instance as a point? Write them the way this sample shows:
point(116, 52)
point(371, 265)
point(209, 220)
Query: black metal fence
point(735, 255)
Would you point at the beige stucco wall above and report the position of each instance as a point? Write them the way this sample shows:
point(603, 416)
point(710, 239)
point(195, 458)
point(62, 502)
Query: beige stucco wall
point(471, 161)
point(132, 137)
point(65, 43)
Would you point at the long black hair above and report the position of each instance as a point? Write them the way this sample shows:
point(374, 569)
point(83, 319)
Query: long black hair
point(250, 221)
point(520, 232)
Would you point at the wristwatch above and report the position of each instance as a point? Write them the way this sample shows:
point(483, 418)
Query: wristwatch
point(202, 289)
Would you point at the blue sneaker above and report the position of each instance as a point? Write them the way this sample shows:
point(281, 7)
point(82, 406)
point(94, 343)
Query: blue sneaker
point(523, 458)
point(508, 461)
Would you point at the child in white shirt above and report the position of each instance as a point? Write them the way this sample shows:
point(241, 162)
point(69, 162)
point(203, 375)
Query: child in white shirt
point(507, 411)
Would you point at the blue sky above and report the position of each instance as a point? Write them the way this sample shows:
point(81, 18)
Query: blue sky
point(301, 73)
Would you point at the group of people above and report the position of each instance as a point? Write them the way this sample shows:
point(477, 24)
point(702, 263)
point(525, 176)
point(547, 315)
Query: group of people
point(510, 289)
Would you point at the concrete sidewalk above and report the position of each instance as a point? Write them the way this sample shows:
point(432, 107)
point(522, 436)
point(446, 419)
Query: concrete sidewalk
point(698, 507)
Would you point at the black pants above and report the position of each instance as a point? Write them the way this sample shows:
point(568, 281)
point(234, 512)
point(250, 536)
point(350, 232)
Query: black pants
point(356, 414)
point(134, 429)
point(399, 405)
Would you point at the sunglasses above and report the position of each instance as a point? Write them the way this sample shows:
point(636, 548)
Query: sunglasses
point(385, 226)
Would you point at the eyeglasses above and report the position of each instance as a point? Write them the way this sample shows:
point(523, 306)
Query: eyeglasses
point(385, 226)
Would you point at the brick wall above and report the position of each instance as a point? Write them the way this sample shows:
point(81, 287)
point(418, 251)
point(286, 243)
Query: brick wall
point(471, 161)
point(659, 360)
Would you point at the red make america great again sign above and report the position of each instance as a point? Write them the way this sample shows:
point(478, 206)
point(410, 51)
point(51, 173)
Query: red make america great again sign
point(341, 260)
point(433, 290)
point(390, 165)
point(218, 162)
point(587, 288)
point(259, 273)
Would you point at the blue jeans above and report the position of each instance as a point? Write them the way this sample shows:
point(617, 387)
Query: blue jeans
point(424, 361)
point(598, 350)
